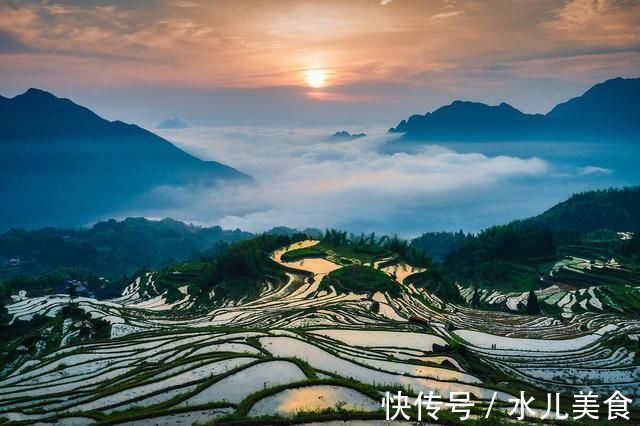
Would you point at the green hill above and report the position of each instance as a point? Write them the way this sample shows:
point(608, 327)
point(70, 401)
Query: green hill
point(515, 256)
point(439, 244)
point(613, 209)
point(110, 248)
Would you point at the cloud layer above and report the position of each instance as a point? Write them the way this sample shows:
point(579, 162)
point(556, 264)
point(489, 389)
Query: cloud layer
point(305, 181)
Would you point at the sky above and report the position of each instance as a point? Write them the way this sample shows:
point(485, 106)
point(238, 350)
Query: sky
point(231, 62)
point(264, 83)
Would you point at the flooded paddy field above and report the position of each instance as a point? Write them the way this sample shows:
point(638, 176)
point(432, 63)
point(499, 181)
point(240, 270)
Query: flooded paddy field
point(296, 350)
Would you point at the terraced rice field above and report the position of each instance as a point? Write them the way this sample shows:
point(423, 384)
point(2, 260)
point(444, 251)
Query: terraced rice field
point(574, 285)
point(297, 351)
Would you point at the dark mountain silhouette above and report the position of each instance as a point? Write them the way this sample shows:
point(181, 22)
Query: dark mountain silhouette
point(472, 120)
point(343, 135)
point(609, 109)
point(173, 123)
point(613, 209)
point(613, 105)
point(289, 232)
point(61, 164)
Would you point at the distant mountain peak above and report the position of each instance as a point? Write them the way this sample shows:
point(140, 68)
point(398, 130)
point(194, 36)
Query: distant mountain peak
point(87, 166)
point(613, 104)
point(34, 91)
point(34, 94)
point(343, 135)
point(610, 109)
point(173, 123)
point(472, 105)
point(461, 120)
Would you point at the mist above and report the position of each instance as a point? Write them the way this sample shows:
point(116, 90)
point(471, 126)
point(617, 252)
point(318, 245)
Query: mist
point(369, 184)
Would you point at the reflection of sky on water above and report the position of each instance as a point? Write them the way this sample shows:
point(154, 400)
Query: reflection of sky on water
point(313, 398)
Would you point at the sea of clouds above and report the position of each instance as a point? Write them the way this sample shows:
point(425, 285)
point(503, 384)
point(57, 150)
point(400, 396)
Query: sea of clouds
point(368, 184)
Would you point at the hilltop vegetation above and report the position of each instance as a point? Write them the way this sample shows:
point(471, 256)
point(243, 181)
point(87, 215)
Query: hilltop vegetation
point(611, 209)
point(112, 248)
point(360, 279)
point(515, 256)
point(303, 253)
point(369, 248)
point(240, 271)
point(439, 244)
point(363, 248)
point(488, 259)
point(86, 283)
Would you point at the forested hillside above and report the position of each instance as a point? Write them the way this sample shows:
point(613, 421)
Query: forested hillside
point(439, 244)
point(515, 256)
point(613, 209)
point(489, 258)
point(110, 248)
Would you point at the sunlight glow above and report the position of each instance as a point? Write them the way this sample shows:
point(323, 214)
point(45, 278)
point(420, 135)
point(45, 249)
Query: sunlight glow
point(316, 78)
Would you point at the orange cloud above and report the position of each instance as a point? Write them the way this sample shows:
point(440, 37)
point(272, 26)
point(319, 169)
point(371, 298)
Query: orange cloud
point(259, 44)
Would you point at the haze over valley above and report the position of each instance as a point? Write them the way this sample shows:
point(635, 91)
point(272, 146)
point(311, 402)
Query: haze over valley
point(303, 177)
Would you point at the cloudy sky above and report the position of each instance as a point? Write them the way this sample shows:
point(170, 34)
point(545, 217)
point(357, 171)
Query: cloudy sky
point(233, 62)
point(263, 84)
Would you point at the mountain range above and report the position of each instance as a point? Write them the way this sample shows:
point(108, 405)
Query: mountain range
point(609, 110)
point(343, 135)
point(62, 164)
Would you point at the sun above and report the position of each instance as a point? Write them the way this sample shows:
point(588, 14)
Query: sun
point(316, 78)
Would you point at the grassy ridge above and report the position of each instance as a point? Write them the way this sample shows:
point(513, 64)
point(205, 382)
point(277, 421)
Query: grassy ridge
point(298, 254)
point(360, 279)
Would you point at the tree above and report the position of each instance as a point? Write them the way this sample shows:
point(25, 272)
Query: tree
point(475, 300)
point(532, 303)
point(448, 290)
point(335, 237)
point(4, 314)
point(72, 291)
